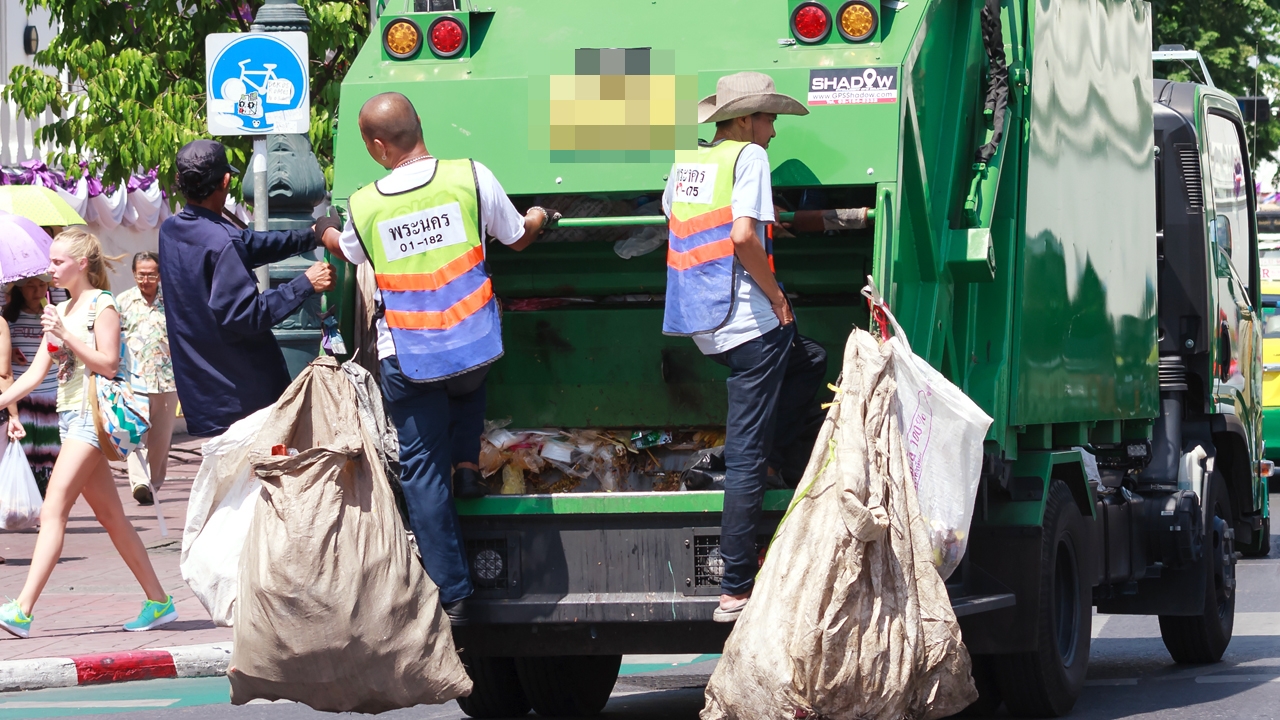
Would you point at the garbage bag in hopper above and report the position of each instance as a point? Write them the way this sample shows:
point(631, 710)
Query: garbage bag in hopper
point(334, 610)
point(848, 618)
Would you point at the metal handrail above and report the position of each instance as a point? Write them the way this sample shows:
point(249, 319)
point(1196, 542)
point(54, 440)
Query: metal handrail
point(632, 220)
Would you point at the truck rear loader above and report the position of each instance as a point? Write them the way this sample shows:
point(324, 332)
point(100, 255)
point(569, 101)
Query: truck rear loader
point(1070, 242)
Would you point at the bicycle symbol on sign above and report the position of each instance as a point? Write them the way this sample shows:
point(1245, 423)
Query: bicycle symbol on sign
point(254, 88)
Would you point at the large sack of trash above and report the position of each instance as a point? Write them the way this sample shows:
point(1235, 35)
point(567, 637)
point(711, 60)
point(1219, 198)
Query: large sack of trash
point(849, 617)
point(334, 610)
point(219, 512)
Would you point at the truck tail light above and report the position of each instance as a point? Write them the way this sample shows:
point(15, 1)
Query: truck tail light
point(447, 37)
point(811, 22)
point(402, 39)
point(858, 20)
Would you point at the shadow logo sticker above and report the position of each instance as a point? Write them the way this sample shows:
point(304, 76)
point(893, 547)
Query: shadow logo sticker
point(853, 86)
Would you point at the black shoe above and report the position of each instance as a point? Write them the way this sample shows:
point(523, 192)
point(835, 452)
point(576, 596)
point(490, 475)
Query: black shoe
point(457, 612)
point(142, 494)
point(467, 484)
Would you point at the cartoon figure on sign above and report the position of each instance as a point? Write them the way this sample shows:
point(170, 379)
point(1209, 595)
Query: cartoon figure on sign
point(254, 82)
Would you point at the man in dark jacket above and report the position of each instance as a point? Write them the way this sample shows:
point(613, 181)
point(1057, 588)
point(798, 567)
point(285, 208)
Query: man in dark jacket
point(226, 362)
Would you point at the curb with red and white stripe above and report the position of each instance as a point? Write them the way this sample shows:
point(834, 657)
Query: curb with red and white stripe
point(189, 661)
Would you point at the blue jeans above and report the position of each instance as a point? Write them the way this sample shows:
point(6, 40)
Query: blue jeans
point(773, 419)
point(439, 424)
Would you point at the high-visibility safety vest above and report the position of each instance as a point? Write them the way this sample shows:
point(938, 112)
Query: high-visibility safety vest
point(428, 261)
point(700, 262)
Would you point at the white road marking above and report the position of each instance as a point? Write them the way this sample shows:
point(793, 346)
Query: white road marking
point(1252, 679)
point(87, 704)
point(1099, 622)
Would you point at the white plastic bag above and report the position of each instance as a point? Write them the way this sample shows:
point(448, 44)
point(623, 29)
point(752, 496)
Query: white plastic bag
point(943, 431)
point(219, 512)
point(19, 497)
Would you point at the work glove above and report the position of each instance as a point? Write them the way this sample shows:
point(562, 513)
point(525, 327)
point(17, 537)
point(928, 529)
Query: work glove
point(332, 220)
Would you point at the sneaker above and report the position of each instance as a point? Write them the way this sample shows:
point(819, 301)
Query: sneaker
point(153, 615)
point(14, 621)
point(727, 613)
point(142, 493)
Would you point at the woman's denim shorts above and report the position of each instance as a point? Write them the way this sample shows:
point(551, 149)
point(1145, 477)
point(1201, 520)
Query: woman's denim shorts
point(74, 426)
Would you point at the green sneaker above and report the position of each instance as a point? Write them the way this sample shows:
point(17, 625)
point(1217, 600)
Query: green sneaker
point(14, 621)
point(153, 615)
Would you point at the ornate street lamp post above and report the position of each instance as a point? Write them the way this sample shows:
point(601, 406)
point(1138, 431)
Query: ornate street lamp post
point(295, 186)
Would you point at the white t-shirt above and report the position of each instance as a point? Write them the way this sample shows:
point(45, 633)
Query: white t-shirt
point(498, 218)
point(752, 314)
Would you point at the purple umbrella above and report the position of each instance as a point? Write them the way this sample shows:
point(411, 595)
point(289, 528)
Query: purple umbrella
point(24, 248)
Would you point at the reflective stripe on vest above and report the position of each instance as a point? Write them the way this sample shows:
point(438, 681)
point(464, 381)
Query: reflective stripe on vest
point(700, 258)
point(428, 262)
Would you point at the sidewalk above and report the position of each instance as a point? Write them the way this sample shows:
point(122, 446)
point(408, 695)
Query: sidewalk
point(92, 592)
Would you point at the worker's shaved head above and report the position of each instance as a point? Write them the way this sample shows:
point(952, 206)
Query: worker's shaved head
point(391, 118)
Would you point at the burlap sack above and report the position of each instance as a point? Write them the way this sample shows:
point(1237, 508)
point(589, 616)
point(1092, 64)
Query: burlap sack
point(333, 609)
point(849, 617)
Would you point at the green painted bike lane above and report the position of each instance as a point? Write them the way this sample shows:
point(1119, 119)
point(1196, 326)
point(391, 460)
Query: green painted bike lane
point(194, 692)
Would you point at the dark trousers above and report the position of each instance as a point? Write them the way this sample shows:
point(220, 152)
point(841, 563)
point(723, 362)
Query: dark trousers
point(439, 424)
point(773, 419)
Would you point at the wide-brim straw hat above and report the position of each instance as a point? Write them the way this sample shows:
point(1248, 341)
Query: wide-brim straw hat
point(746, 93)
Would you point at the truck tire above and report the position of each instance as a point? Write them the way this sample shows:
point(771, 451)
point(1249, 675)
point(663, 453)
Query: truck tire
point(1047, 681)
point(1204, 638)
point(568, 686)
point(496, 690)
point(1261, 545)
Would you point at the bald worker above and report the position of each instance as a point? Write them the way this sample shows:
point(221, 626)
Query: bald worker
point(423, 227)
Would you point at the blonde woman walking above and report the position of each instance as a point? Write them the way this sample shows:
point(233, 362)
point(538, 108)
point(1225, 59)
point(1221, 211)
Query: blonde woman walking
point(77, 264)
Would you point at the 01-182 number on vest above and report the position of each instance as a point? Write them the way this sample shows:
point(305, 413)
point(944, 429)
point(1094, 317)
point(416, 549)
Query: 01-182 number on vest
point(422, 230)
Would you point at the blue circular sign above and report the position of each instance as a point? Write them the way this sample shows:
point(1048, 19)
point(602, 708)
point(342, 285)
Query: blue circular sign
point(261, 75)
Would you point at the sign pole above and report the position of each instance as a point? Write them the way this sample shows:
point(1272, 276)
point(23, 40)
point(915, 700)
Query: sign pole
point(260, 201)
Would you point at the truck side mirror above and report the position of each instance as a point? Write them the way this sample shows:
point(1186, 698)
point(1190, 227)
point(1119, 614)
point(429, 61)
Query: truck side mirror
point(1220, 234)
point(1255, 108)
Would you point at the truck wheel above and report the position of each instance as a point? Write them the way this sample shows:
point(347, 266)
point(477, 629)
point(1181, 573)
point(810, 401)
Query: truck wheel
point(1261, 545)
point(568, 686)
point(1047, 682)
point(496, 691)
point(1204, 638)
point(984, 678)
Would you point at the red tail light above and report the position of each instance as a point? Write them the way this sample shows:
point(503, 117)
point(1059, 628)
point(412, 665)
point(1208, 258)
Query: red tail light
point(447, 37)
point(811, 22)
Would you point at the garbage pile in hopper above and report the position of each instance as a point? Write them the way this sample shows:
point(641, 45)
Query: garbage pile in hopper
point(517, 462)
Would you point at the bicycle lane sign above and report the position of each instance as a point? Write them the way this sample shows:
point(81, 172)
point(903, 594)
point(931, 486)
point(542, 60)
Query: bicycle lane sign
point(257, 83)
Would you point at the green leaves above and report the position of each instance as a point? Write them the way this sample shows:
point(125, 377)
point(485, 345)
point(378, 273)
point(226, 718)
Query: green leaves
point(1230, 36)
point(135, 77)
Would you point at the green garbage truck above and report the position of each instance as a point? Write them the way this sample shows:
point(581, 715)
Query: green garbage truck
point(1070, 241)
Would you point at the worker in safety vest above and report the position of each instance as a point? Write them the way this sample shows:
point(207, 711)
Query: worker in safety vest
point(423, 228)
point(721, 291)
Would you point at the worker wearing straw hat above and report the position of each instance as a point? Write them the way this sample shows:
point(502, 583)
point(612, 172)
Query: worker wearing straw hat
point(721, 291)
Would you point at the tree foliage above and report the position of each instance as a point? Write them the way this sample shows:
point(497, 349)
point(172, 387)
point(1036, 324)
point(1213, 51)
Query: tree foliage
point(135, 84)
point(1229, 34)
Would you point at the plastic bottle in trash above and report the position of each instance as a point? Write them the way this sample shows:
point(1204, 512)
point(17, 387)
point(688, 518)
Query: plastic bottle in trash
point(54, 344)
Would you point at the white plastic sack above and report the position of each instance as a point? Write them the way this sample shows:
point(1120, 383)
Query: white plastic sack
point(219, 512)
point(943, 431)
point(19, 496)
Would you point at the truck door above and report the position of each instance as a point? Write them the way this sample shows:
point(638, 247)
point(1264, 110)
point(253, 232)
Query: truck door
point(1233, 250)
